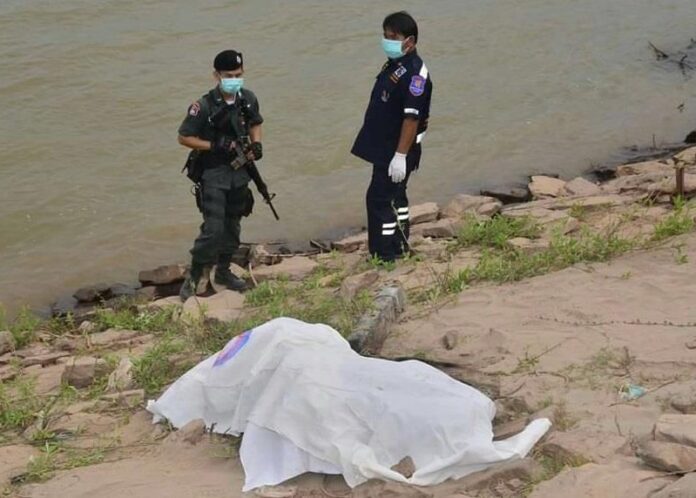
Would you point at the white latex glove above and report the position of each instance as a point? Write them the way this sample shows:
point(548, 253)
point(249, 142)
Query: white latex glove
point(397, 168)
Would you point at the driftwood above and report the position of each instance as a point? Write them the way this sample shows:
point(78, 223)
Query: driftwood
point(681, 59)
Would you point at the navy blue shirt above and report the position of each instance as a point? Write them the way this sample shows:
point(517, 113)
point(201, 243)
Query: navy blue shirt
point(403, 89)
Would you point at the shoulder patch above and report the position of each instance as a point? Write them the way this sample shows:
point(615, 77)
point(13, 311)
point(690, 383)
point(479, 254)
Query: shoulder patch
point(194, 109)
point(417, 86)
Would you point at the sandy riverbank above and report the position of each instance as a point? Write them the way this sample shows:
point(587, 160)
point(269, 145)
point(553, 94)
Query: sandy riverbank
point(559, 307)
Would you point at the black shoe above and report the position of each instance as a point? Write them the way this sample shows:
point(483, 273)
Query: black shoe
point(190, 285)
point(188, 289)
point(224, 276)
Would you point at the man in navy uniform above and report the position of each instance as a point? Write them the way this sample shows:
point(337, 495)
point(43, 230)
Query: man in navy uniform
point(395, 124)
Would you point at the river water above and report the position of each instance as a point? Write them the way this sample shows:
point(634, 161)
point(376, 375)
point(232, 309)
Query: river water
point(92, 93)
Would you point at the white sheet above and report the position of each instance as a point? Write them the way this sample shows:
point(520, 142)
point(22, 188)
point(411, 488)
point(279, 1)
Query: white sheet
point(307, 402)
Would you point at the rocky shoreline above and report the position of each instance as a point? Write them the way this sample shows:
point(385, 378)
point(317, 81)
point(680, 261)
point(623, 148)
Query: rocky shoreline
point(427, 220)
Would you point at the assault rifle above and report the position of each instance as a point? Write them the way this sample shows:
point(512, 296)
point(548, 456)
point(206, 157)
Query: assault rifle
point(242, 148)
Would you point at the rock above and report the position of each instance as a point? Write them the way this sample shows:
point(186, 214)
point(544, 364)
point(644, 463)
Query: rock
point(549, 219)
point(87, 327)
point(669, 457)
point(82, 372)
point(352, 243)
point(685, 403)
point(130, 398)
point(581, 187)
point(44, 359)
point(93, 293)
point(148, 292)
point(85, 424)
point(676, 428)
point(64, 306)
point(595, 201)
point(509, 429)
point(528, 246)
point(632, 183)
point(490, 208)
point(351, 286)
point(645, 167)
point(486, 383)
point(373, 327)
point(525, 470)
point(14, 460)
point(544, 186)
point(225, 306)
point(687, 156)
point(423, 213)
point(167, 290)
point(383, 489)
point(615, 480)
point(464, 204)
point(508, 195)
point(121, 379)
point(690, 138)
point(191, 433)
point(450, 340)
point(7, 342)
point(405, 467)
point(577, 447)
point(508, 409)
point(260, 255)
point(441, 229)
point(683, 488)
point(165, 302)
point(162, 275)
point(276, 491)
point(295, 268)
point(429, 248)
point(121, 290)
point(112, 337)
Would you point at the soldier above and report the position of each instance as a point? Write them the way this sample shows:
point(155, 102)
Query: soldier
point(213, 128)
point(395, 124)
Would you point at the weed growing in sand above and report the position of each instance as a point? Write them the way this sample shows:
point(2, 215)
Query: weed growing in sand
point(579, 212)
point(494, 232)
point(19, 403)
point(679, 256)
point(527, 364)
point(503, 264)
point(130, 318)
point(23, 328)
point(377, 263)
point(157, 367)
point(551, 465)
point(678, 222)
point(54, 457)
point(561, 419)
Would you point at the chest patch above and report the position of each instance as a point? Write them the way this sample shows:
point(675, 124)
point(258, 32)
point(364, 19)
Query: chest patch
point(417, 86)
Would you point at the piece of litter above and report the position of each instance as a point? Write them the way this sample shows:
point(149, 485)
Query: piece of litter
point(630, 392)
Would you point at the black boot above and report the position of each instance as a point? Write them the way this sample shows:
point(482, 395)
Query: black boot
point(224, 276)
point(188, 288)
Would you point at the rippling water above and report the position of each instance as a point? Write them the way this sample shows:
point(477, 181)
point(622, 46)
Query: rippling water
point(92, 93)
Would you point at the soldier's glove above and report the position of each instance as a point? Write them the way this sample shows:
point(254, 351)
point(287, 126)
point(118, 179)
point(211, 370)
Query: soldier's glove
point(257, 150)
point(223, 144)
point(397, 168)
